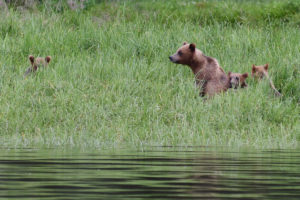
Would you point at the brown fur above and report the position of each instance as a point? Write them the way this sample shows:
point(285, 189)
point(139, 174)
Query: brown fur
point(237, 79)
point(37, 63)
point(208, 73)
point(259, 72)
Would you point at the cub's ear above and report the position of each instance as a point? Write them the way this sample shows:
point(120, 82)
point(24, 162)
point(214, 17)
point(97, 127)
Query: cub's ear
point(266, 66)
point(244, 85)
point(48, 59)
point(31, 58)
point(192, 47)
point(245, 75)
point(253, 68)
point(229, 73)
point(184, 43)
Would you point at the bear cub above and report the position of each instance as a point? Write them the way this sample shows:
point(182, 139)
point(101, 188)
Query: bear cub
point(36, 63)
point(237, 80)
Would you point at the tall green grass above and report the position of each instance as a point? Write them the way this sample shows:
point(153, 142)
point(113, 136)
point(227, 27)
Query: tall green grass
point(110, 83)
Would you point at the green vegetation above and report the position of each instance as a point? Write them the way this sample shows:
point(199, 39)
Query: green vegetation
point(110, 83)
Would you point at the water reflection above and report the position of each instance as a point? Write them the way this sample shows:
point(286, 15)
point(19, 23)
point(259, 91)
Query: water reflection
point(163, 173)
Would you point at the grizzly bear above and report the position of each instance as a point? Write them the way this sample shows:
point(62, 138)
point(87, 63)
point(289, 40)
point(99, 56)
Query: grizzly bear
point(259, 72)
point(210, 77)
point(237, 79)
point(36, 63)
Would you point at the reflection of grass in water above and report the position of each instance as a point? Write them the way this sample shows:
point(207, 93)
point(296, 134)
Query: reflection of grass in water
point(159, 172)
point(111, 83)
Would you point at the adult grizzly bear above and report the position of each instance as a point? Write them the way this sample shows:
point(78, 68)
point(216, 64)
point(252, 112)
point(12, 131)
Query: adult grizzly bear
point(208, 74)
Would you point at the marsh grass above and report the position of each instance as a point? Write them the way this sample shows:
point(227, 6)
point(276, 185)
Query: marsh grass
point(110, 83)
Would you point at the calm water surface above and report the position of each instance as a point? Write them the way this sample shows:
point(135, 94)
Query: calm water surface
point(162, 173)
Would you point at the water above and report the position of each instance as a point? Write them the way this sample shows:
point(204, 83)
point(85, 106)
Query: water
point(160, 173)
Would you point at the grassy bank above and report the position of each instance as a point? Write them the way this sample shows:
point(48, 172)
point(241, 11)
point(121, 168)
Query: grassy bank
point(110, 83)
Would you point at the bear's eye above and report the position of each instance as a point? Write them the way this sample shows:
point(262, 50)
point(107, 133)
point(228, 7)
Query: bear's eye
point(180, 53)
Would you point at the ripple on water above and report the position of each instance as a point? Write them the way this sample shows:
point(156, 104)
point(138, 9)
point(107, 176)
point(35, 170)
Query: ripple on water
point(156, 174)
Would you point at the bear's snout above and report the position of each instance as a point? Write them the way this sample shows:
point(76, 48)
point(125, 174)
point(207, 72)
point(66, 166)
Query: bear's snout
point(173, 59)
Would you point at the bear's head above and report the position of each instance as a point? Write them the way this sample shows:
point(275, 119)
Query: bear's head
point(259, 71)
point(37, 62)
point(184, 55)
point(237, 79)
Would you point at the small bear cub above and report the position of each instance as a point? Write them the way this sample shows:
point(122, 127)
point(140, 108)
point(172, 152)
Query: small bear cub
point(237, 80)
point(260, 72)
point(36, 63)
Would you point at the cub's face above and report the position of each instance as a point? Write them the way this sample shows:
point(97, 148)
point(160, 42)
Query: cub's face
point(259, 71)
point(184, 54)
point(39, 61)
point(237, 79)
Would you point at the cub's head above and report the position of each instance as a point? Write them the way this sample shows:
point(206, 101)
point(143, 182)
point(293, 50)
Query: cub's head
point(237, 79)
point(39, 61)
point(259, 71)
point(184, 54)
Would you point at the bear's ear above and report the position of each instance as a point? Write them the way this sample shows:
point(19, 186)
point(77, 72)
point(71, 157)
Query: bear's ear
point(253, 69)
point(266, 66)
point(192, 47)
point(245, 75)
point(31, 58)
point(184, 43)
point(229, 73)
point(244, 85)
point(48, 58)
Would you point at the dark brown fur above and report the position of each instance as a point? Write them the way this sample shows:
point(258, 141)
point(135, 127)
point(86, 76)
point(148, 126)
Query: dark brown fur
point(37, 63)
point(259, 72)
point(237, 80)
point(208, 74)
